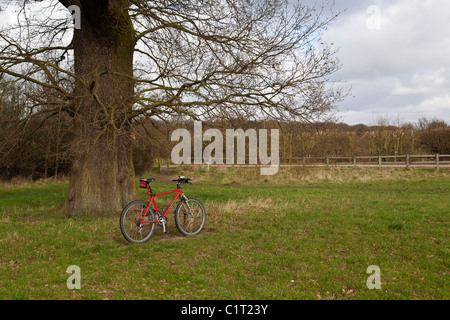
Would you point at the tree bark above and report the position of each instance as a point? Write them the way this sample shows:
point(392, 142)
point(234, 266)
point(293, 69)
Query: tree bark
point(102, 174)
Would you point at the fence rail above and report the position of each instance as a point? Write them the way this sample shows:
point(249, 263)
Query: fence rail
point(436, 161)
point(428, 161)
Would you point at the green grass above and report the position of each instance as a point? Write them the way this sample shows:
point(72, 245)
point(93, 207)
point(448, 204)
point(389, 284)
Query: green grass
point(280, 237)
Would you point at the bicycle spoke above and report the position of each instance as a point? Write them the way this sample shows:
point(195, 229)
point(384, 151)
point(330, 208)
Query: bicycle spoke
point(133, 227)
point(190, 217)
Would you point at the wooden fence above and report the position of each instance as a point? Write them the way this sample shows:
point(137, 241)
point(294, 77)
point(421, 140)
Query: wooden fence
point(436, 161)
point(406, 161)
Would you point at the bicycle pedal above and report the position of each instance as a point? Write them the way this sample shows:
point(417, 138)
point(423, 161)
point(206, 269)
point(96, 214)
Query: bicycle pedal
point(166, 232)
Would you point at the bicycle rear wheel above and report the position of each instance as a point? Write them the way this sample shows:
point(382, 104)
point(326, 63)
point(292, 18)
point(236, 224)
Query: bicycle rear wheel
point(190, 217)
point(134, 228)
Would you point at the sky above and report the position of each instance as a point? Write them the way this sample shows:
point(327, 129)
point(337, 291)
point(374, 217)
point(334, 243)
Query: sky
point(395, 57)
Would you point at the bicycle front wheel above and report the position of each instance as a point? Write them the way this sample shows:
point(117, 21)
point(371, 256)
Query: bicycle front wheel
point(190, 217)
point(134, 226)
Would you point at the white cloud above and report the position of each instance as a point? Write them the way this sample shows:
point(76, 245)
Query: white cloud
point(403, 67)
point(436, 104)
point(433, 82)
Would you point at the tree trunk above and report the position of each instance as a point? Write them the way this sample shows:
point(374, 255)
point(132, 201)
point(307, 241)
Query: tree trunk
point(102, 174)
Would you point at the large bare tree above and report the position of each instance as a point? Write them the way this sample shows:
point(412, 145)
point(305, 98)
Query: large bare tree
point(127, 59)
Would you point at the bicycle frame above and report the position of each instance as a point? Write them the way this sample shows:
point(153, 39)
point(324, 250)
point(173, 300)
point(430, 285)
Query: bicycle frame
point(151, 200)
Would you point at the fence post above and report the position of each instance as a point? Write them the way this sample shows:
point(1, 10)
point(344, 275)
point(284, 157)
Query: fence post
point(379, 162)
point(328, 162)
point(437, 161)
point(407, 162)
point(304, 161)
point(354, 162)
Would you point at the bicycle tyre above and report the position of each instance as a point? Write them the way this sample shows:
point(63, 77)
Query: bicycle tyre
point(186, 225)
point(132, 232)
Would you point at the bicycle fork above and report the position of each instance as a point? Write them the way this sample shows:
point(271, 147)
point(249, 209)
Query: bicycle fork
point(186, 199)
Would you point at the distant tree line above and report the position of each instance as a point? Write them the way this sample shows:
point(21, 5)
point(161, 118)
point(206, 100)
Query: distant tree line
point(330, 139)
point(427, 136)
point(39, 146)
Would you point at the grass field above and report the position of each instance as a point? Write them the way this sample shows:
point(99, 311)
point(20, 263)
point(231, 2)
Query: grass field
point(302, 234)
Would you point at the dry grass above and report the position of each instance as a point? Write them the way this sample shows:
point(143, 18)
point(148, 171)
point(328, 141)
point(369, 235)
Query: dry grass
point(252, 175)
point(236, 215)
point(16, 182)
point(301, 175)
point(22, 182)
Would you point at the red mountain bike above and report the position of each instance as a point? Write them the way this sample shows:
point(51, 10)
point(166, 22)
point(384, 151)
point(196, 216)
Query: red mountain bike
point(138, 219)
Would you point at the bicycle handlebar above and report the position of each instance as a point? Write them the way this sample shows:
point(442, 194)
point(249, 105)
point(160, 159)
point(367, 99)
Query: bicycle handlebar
point(183, 179)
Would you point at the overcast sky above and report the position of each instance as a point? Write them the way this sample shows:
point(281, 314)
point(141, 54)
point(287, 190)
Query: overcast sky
point(395, 56)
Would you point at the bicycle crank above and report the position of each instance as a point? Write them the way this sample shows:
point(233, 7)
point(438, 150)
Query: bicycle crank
point(162, 222)
point(139, 223)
